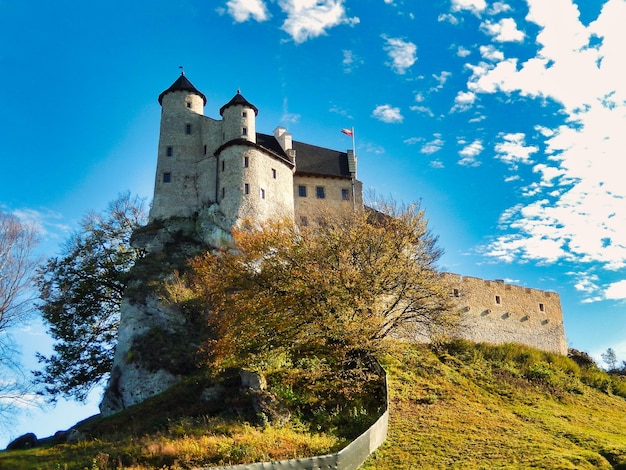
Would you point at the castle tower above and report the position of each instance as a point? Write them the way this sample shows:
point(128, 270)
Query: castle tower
point(180, 148)
point(239, 119)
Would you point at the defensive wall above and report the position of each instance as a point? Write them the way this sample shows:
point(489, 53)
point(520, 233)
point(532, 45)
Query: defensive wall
point(496, 312)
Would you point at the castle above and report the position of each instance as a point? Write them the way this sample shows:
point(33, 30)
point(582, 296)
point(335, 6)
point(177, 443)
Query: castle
point(213, 173)
point(204, 162)
point(207, 163)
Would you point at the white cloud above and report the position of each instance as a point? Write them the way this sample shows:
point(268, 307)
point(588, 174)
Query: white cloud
point(350, 61)
point(462, 51)
point(402, 54)
point(616, 290)
point(499, 7)
point(422, 109)
point(307, 19)
point(582, 216)
point(243, 10)
point(513, 150)
point(491, 53)
point(441, 79)
point(504, 30)
point(436, 164)
point(433, 146)
point(387, 113)
point(464, 100)
point(474, 6)
point(469, 153)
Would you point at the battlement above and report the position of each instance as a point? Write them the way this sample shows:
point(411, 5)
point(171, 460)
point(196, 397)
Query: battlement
point(498, 312)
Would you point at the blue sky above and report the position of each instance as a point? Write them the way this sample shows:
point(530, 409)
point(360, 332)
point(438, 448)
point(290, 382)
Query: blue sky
point(506, 119)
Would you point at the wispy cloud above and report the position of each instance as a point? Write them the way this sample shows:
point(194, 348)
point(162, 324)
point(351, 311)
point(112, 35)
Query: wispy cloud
point(387, 113)
point(577, 204)
point(403, 54)
point(308, 19)
point(243, 10)
point(470, 152)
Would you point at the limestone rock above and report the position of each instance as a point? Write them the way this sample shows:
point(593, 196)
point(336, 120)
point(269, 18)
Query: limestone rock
point(26, 441)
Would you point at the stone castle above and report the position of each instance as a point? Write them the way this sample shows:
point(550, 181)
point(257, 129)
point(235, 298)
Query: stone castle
point(213, 173)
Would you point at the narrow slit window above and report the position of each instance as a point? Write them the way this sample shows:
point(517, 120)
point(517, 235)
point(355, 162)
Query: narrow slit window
point(498, 300)
point(223, 192)
point(246, 162)
point(273, 173)
point(542, 308)
point(262, 193)
point(205, 149)
point(246, 188)
point(223, 165)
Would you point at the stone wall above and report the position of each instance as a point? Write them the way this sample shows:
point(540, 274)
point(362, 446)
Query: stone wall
point(309, 205)
point(496, 312)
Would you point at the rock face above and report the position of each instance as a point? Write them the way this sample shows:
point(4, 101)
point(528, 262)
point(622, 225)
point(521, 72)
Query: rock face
point(157, 343)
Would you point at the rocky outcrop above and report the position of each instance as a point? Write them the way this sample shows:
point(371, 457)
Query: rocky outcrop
point(156, 341)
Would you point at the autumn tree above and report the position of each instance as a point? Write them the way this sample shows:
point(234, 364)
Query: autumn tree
point(81, 292)
point(334, 289)
point(17, 270)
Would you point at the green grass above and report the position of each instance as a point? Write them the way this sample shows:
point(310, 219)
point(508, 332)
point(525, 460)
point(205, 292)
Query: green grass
point(458, 406)
point(486, 407)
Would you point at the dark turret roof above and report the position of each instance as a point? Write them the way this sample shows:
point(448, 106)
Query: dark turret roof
point(182, 84)
point(239, 100)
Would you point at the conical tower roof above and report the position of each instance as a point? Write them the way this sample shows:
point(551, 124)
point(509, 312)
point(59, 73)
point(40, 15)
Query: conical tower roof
point(238, 99)
point(182, 84)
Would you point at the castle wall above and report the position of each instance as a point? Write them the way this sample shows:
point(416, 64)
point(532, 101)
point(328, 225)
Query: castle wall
point(308, 206)
point(496, 312)
point(253, 184)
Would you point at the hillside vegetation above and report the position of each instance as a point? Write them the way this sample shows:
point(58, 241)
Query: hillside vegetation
point(457, 405)
point(471, 406)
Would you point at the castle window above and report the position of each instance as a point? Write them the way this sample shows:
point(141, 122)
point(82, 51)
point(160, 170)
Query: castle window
point(455, 292)
point(262, 193)
point(345, 194)
point(189, 104)
point(223, 192)
point(246, 162)
point(205, 149)
point(319, 192)
point(244, 131)
point(167, 177)
point(169, 151)
point(223, 165)
point(304, 221)
point(498, 300)
point(273, 173)
point(187, 129)
point(302, 191)
point(246, 188)
point(541, 308)
point(244, 114)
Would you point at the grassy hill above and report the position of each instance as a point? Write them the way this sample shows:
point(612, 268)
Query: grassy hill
point(476, 406)
point(458, 405)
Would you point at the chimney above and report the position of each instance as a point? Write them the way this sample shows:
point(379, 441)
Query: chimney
point(284, 138)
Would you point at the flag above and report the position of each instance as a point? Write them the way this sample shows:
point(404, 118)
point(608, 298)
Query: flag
point(347, 132)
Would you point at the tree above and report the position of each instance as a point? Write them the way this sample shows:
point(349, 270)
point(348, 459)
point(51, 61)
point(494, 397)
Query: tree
point(17, 270)
point(336, 288)
point(81, 293)
point(610, 358)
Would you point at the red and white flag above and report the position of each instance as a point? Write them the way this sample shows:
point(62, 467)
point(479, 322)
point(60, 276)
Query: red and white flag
point(347, 132)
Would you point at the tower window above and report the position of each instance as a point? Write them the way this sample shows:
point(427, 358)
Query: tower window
point(541, 307)
point(262, 193)
point(189, 104)
point(187, 129)
point(302, 191)
point(169, 151)
point(273, 173)
point(167, 177)
point(455, 292)
point(244, 114)
point(223, 192)
point(345, 194)
point(319, 192)
point(246, 162)
point(223, 165)
point(498, 300)
point(244, 131)
point(205, 149)
point(246, 188)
